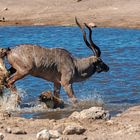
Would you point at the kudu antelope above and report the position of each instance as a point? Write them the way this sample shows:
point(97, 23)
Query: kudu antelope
point(54, 64)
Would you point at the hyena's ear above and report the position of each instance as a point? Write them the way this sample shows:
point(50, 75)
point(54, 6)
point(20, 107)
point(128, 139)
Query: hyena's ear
point(4, 52)
point(7, 50)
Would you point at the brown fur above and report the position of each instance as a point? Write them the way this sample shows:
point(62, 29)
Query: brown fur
point(3, 75)
point(48, 97)
point(54, 64)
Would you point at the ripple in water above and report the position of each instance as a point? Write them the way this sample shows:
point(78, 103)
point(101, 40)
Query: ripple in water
point(35, 109)
point(116, 90)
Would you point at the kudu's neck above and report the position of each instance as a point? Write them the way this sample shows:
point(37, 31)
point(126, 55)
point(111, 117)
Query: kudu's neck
point(85, 67)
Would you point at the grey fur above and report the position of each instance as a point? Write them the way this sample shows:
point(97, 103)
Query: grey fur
point(52, 64)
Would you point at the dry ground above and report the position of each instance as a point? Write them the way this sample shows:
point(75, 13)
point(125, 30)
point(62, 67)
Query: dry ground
point(105, 13)
point(125, 126)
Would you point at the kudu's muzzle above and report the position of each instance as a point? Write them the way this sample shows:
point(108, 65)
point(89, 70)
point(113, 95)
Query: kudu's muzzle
point(106, 68)
point(101, 66)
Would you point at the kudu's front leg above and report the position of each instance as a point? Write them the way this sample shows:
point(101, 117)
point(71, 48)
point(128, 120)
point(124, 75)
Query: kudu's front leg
point(67, 84)
point(69, 90)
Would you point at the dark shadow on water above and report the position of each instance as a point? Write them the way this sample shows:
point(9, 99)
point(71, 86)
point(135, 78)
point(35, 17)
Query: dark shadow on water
point(57, 114)
point(48, 115)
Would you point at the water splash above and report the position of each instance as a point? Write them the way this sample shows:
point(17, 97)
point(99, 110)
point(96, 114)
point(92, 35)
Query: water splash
point(90, 98)
point(8, 101)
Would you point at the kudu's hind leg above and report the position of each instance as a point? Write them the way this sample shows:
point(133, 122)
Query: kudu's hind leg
point(16, 76)
point(57, 87)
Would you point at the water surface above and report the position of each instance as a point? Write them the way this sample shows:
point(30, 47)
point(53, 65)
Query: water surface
point(116, 89)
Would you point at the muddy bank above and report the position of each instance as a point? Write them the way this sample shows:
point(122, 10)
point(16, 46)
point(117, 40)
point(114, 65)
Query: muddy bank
point(113, 13)
point(124, 126)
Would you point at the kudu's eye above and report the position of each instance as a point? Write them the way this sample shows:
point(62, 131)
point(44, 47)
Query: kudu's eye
point(99, 59)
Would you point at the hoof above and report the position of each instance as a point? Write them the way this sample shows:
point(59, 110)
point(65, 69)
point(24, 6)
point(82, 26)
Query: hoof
point(74, 101)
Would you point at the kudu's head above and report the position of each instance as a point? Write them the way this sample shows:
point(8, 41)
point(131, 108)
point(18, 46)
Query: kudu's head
point(97, 62)
point(3, 52)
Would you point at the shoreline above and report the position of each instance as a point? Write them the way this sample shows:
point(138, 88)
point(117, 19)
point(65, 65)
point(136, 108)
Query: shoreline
point(124, 126)
point(17, 23)
point(113, 13)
